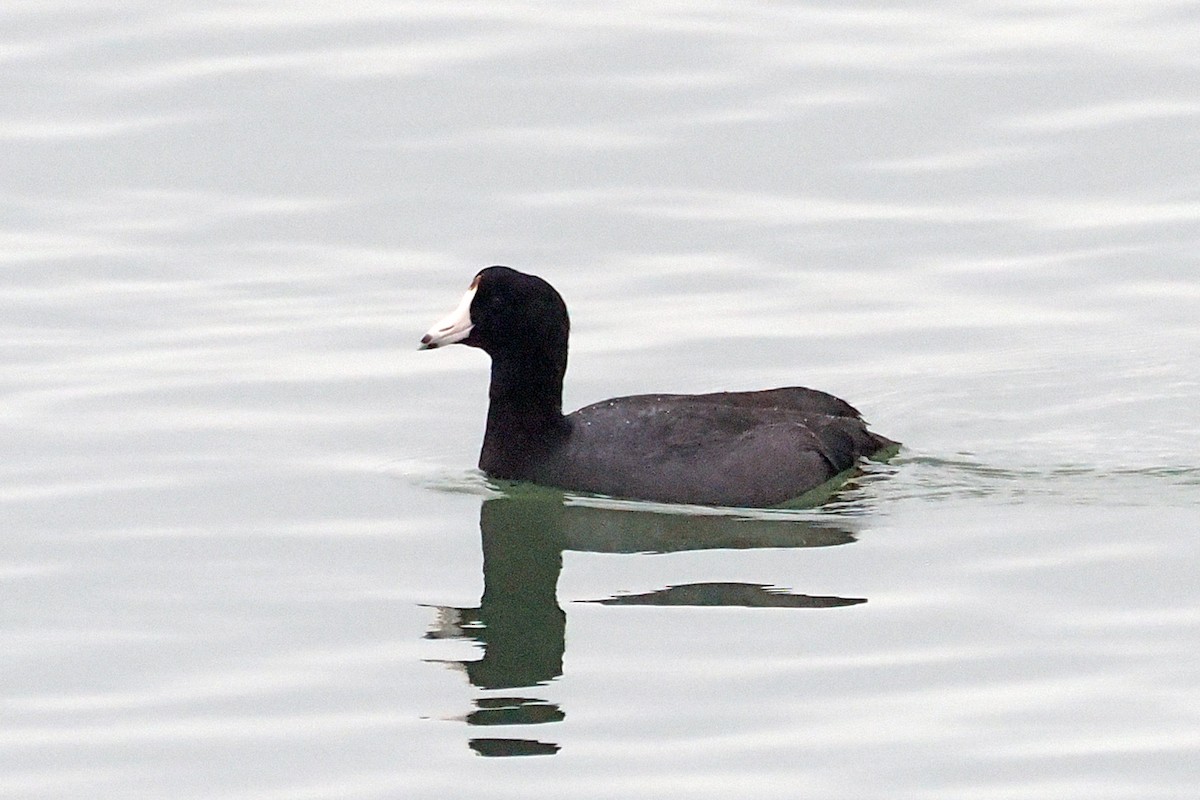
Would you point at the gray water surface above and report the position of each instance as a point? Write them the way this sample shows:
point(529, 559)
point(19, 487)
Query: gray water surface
point(246, 554)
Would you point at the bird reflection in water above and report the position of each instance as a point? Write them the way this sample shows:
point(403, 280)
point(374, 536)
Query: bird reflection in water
point(520, 627)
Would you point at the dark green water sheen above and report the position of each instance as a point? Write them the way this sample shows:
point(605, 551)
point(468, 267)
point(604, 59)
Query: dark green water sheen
point(245, 553)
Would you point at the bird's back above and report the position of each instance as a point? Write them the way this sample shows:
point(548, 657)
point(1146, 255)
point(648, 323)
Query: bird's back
point(727, 448)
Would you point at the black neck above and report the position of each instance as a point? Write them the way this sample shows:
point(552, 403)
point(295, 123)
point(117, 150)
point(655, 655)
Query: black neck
point(525, 415)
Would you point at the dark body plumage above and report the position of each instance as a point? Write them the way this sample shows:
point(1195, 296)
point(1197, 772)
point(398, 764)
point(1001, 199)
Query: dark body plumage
point(752, 449)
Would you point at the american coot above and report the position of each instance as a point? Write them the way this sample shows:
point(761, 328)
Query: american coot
point(752, 449)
